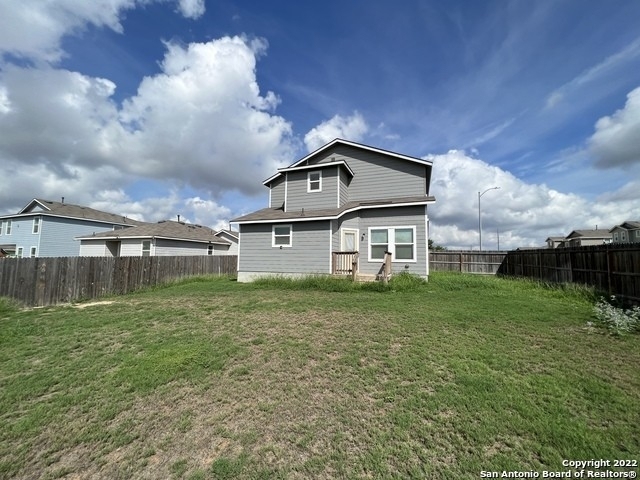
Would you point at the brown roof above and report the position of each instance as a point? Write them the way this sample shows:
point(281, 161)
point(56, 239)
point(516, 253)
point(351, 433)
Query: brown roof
point(278, 215)
point(600, 233)
point(59, 209)
point(163, 229)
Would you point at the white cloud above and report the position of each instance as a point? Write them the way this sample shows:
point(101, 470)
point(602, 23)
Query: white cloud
point(616, 141)
point(34, 29)
point(191, 8)
point(524, 214)
point(349, 128)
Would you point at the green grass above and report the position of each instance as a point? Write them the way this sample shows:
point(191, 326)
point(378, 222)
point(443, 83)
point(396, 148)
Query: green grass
point(211, 379)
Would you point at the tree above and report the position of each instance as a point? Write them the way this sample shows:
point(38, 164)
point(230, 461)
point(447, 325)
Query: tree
point(435, 248)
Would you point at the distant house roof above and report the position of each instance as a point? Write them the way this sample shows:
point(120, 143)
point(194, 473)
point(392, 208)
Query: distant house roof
point(231, 233)
point(599, 233)
point(628, 225)
point(555, 239)
point(276, 215)
point(166, 229)
point(39, 206)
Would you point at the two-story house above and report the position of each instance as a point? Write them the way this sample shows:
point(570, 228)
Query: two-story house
point(627, 232)
point(48, 229)
point(344, 197)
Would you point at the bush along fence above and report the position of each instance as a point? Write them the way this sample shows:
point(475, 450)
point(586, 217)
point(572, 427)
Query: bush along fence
point(612, 269)
point(49, 281)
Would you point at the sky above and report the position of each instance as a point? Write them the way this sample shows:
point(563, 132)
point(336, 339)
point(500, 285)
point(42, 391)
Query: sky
point(159, 108)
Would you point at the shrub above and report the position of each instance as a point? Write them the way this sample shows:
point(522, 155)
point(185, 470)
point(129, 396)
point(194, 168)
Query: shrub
point(616, 319)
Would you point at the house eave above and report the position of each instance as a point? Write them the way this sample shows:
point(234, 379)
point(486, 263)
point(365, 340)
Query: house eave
point(312, 218)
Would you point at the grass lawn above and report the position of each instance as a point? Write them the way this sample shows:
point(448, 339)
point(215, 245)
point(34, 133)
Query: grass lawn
point(214, 379)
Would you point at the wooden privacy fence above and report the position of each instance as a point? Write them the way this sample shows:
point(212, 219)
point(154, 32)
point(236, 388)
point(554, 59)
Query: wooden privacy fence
point(485, 262)
point(49, 281)
point(614, 269)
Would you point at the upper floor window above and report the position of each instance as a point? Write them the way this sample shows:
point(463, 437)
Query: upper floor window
point(146, 248)
point(1, 225)
point(623, 236)
point(8, 227)
point(615, 236)
point(209, 249)
point(637, 233)
point(281, 236)
point(36, 225)
point(314, 181)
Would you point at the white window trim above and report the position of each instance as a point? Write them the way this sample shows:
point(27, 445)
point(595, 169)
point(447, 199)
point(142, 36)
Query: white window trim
point(36, 224)
point(623, 236)
point(637, 233)
point(391, 244)
point(615, 236)
point(319, 181)
point(273, 235)
point(33, 252)
point(1, 226)
point(142, 248)
point(19, 252)
point(8, 227)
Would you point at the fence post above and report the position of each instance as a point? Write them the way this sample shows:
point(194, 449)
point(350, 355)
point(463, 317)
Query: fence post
point(609, 286)
point(460, 262)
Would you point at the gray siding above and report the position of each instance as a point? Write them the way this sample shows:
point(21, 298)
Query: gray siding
point(277, 192)
point(171, 248)
point(344, 187)
point(386, 217)
point(309, 252)
point(378, 176)
point(298, 197)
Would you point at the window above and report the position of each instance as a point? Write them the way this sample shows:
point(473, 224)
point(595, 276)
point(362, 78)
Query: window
point(210, 250)
point(34, 252)
point(146, 248)
point(404, 244)
point(314, 182)
point(615, 236)
point(623, 236)
point(8, 227)
point(1, 225)
point(637, 233)
point(36, 225)
point(281, 236)
point(399, 241)
point(19, 252)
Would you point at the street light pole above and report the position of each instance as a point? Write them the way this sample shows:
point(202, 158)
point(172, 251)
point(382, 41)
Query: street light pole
point(479, 214)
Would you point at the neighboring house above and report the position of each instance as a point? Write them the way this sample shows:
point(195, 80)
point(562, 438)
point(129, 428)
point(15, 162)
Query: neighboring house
point(165, 238)
point(343, 198)
point(555, 242)
point(628, 232)
point(47, 229)
point(232, 237)
point(582, 238)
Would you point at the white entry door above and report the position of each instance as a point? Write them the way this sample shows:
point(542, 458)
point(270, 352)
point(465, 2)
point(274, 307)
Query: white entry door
point(349, 240)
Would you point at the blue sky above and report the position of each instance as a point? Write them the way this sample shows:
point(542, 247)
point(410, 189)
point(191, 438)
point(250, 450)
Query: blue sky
point(158, 108)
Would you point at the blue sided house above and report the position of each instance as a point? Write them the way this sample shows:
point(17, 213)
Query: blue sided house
point(48, 229)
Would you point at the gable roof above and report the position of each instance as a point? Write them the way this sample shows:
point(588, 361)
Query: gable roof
point(166, 229)
point(599, 233)
point(628, 225)
point(340, 141)
point(231, 233)
point(39, 206)
point(277, 215)
point(317, 166)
